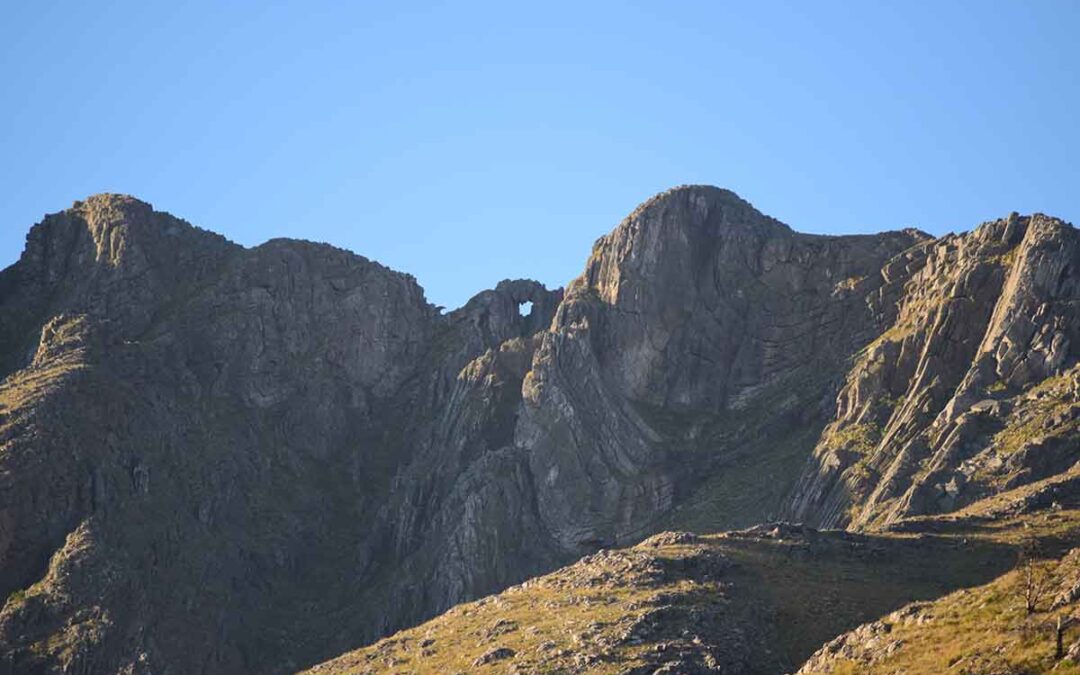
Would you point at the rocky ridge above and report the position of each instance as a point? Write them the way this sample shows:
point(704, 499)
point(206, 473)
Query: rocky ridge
point(221, 459)
point(758, 600)
point(972, 389)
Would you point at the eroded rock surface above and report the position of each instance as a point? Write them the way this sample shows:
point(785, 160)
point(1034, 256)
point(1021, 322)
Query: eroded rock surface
point(692, 364)
point(204, 444)
point(219, 459)
point(973, 387)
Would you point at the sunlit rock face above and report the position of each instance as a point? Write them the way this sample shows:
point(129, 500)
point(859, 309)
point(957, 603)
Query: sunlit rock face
point(218, 459)
point(971, 389)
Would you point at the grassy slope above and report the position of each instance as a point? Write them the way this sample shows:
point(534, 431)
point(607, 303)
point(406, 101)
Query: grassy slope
point(760, 600)
point(982, 630)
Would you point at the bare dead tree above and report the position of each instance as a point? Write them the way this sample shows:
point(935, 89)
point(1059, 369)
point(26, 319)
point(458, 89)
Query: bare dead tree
point(1035, 579)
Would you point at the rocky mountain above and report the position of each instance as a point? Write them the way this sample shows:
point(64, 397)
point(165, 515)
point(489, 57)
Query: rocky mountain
point(973, 388)
point(217, 459)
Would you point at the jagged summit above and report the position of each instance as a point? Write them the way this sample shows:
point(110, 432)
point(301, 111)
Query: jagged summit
point(103, 199)
point(970, 386)
point(219, 459)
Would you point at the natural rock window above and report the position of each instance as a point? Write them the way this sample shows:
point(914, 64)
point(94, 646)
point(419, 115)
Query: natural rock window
point(525, 308)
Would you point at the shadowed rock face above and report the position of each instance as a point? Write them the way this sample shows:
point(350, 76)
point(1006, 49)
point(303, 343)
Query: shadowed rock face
point(702, 334)
point(759, 600)
point(222, 459)
point(208, 443)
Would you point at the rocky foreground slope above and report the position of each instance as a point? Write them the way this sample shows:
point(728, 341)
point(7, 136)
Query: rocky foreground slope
point(219, 459)
point(760, 601)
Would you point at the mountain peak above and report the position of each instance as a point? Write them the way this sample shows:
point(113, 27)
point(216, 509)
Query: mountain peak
point(289, 441)
point(701, 195)
point(105, 200)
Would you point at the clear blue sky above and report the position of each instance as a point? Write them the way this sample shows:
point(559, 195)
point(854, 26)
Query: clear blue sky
point(469, 142)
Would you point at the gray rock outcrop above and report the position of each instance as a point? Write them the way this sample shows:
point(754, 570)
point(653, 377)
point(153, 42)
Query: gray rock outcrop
point(219, 459)
point(971, 389)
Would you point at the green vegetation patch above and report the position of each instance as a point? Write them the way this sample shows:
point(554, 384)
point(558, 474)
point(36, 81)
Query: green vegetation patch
point(1047, 410)
point(860, 438)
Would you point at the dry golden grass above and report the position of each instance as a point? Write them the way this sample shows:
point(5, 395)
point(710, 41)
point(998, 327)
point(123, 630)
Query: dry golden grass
point(790, 590)
point(980, 630)
point(561, 622)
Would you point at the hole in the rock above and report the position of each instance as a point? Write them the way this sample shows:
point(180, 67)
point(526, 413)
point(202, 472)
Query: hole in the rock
point(525, 308)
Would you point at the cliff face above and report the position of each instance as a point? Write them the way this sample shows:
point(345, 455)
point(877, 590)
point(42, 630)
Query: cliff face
point(209, 443)
point(972, 388)
point(690, 367)
point(222, 459)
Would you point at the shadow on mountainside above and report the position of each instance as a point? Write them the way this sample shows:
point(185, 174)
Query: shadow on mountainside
point(760, 600)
